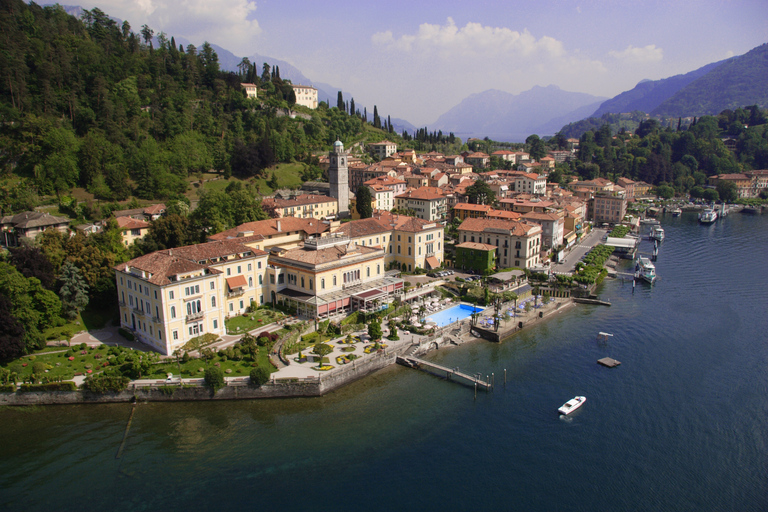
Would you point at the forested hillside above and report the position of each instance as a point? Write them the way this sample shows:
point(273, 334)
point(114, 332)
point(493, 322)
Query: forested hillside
point(88, 103)
point(676, 160)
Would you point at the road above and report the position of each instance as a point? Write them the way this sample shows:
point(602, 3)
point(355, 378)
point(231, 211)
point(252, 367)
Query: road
point(578, 251)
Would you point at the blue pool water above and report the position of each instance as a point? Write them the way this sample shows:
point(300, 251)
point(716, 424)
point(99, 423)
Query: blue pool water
point(454, 314)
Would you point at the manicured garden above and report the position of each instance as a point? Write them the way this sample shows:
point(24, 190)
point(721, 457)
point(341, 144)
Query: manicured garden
point(254, 320)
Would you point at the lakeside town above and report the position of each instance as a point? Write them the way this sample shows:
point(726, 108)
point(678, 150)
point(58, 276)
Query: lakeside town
point(327, 296)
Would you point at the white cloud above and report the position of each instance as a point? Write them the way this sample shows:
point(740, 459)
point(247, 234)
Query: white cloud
point(473, 40)
point(228, 23)
point(644, 55)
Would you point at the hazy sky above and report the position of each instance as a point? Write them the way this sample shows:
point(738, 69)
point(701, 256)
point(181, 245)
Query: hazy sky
point(417, 59)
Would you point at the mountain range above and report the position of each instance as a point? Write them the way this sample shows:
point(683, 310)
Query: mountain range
point(513, 117)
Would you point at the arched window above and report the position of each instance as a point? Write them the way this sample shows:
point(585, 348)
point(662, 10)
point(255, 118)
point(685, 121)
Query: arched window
point(322, 283)
point(368, 272)
point(261, 280)
point(189, 307)
point(302, 281)
point(213, 302)
point(250, 282)
point(173, 311)
point(334, 280)
point(378, 269)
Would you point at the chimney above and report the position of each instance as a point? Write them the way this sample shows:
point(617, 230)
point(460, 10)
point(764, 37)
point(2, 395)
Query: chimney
point(278, 225)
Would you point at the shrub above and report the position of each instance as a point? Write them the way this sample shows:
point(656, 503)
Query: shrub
point(259, 376)
point(38, 368)
point(7, 388)
point(214, 378)
point(83, 346)
point(103, 383)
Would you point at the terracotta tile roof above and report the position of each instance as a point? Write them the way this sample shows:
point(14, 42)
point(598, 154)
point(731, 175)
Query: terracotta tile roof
point(473, 207)
point(155, 209)
point(162, 266)
point(515, 228)
point(537, 216)
point(405, 222)
point(423, 193)
point(131, 223)
point(207, 252)
point(476, 246)
point(337, 253)
point(503, 214)
point(269, 227)
point(384, 180)
point(165, 264)
point(363, 227)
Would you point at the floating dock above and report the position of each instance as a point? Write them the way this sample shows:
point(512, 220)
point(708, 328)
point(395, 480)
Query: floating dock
point(609, 362)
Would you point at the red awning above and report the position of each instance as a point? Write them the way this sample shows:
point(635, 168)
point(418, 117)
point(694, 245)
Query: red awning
point(236, 282)
point(432, 262)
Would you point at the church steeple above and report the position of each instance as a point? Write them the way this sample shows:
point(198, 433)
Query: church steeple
point(338, 176)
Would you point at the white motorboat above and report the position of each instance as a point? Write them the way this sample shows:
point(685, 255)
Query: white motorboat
point(645, 270)
point(657, 233)
point(677, 212)
point(571, 405)
point(708, 216)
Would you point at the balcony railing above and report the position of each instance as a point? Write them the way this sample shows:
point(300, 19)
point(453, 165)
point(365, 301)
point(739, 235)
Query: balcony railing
point(195, 316)
point(235, 293)
point(137, 312)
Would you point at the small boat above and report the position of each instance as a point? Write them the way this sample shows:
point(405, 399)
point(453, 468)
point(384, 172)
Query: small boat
point(645, 270)
point(708, 216)
point(648, 221)
point(677, 212)
point(571, 405)
point(657, 233)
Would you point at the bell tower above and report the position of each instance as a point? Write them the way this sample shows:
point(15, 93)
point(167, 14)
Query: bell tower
point(338, 176)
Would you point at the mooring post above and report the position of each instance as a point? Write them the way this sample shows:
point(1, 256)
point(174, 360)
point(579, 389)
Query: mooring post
point(493, 380)
point(487, 382)
point(505, 378)
point(475, 390)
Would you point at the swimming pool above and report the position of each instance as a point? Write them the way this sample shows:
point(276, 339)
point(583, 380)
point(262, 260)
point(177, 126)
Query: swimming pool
point(454, 314)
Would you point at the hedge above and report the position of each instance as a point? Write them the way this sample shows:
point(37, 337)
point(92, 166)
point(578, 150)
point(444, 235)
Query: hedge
point(51, 386)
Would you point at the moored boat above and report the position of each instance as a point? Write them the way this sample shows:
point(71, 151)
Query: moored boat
point(708, 216)
point(645, 270)
point(571, 405)
point(677, 212)
point(657, 233)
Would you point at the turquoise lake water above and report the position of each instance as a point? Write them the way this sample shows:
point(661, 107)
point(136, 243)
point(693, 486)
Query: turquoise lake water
point(681, 425)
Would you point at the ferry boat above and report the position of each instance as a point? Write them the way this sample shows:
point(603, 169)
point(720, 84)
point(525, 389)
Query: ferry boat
point(677, 212)
point(645, 270)
point(708, 216)
point(571, 405)
point(657, 233)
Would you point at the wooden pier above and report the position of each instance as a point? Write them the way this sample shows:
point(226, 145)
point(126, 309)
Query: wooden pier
point(443, 371)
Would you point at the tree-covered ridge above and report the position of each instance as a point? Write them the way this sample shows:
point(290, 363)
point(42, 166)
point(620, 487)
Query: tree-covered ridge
point(89, 103)
point(680, 159)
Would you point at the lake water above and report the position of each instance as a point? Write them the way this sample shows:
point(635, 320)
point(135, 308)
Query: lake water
point(682, 424)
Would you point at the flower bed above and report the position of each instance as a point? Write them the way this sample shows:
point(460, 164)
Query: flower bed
point(372, 348)
point(323, 368)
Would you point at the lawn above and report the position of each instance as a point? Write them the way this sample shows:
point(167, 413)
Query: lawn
point(94, 316)
point(258, 319)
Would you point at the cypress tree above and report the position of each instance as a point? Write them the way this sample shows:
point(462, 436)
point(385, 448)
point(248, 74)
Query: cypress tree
point(340, 101)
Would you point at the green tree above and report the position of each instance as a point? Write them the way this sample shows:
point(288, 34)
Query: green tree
point(259, 376)
point(536, 147)
point(727, 191)
point(11, 332)
point(363, 200)
point(480, 193)
point(321, 350)
point(214, 378)
point(374, 330)
point(73, 291)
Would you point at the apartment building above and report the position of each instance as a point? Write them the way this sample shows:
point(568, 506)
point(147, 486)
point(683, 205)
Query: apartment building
point(518, 243)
